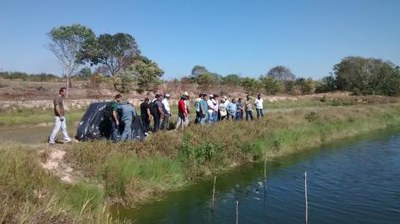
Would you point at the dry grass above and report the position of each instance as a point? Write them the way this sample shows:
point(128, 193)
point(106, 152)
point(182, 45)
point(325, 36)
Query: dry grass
point(137, 171)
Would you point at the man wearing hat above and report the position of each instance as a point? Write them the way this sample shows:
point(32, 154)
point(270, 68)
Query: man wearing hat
point(167, 112)
point(157, 111)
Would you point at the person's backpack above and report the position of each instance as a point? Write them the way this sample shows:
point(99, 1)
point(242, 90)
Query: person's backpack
point(153, 108)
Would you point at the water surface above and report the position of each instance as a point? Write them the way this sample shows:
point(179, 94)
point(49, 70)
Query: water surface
point(354, 182)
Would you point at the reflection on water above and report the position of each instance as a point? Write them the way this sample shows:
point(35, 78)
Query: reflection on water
point(352, 183)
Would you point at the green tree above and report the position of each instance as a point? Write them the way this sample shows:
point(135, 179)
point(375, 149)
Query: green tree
point(271, 85)
point(146, 74)
point(196, 71)
point(231, 80)
point(66, 42)
point(206, 81)
point(281, 73)
point(327, 84)
point(305, 86)
point(366, 76)
point(84, 73)
point(113, 52)
point(251, 86)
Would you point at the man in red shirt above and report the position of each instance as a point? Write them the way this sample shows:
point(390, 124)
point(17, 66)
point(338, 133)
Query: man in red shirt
point(182, 113)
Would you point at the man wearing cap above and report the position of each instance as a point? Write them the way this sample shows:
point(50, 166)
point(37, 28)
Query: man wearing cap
point(182, 113)
point(167, 112)
point(259, 106)
point(158, 112)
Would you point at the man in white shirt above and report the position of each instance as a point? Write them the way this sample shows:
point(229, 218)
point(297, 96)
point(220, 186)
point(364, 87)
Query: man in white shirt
point(259, 106)
point(167, 112)
point(210, 104)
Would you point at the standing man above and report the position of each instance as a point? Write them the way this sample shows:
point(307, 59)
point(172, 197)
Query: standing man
point(115, 119)
point(210, 105)
point(128, 115)
point(182, 113)
point(239, 109)
point(187, 105)
point(223, 108)
point(203, 109)
point(259, 106)
point(197, 108)
point(145, 115)
point(216, 107)
point(232, 108)
point(158, 112)
point(59, 117)
point(167, 112)
point(248, 109)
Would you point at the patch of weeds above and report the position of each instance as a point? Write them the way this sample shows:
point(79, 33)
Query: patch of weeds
point(312, 117)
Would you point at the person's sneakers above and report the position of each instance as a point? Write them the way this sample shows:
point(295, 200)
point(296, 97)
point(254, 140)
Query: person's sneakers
point(68, 142)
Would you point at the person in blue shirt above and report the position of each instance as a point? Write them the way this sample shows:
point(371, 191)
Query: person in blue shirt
point(203, 109)
point(232, 108)
point(128, 115)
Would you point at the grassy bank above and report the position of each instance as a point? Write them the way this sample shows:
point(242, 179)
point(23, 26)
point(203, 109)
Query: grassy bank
point(133, 172)
point(29, 194)
point(136, 171)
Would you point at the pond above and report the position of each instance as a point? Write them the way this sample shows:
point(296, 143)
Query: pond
point(357, 181)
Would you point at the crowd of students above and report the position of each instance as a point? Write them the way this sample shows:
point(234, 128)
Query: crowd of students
point(208, 109)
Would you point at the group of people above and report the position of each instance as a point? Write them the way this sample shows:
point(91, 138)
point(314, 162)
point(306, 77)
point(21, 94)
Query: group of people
point(208, 108)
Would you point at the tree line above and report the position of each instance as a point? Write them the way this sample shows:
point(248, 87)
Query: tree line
point(117, 59)
point(359, 75)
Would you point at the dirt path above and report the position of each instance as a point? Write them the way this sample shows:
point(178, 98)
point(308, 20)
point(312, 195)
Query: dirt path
point(57, 166)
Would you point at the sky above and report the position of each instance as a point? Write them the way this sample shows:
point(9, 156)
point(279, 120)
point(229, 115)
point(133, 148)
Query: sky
point(247, 38)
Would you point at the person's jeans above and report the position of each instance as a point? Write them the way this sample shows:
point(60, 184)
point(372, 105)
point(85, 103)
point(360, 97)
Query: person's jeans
point(146, 124)
point(156, 122)
point(180, 124)
point(114, 131)
point(127, 133)
point(249, 113)
point(198, 117)
point(165, 122)
point(202, 119)
point(260, 112)
point(58, 124)
point(210, 116)
point(239, 116)
point(215, 116)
